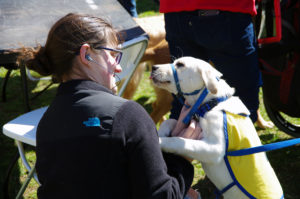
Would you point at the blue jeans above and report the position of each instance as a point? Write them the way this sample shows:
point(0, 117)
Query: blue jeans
point(226, 39)
point(130, 6)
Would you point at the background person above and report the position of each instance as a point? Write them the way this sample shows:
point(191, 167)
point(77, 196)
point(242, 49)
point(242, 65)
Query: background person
point(90, 142)
point(219, 31)
point(130, 6)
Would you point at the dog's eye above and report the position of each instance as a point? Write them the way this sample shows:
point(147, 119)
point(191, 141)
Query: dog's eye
point(179, 64)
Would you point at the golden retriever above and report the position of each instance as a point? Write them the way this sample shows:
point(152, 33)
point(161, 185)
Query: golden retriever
point(157, 52)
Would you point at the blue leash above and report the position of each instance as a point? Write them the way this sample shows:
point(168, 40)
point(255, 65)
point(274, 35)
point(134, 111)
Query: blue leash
point(263, 148)
point(188, 117)
point(209, 105)
point(200, 111)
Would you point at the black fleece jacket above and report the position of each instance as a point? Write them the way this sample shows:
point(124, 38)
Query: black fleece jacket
point(93, 144)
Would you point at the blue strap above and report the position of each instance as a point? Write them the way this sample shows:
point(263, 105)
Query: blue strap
point(180, 93)
point(209, 105)
point(176, 79)
point(227, 187)
point(195, 92)
point(220, 193)
point(188, 117)
point(235, 182)
point(227, 161)
point(267, 147)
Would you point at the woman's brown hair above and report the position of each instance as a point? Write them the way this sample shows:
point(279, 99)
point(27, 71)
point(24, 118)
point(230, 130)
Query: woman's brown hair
point(64, 41)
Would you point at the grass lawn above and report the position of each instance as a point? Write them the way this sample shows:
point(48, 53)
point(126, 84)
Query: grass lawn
point(286, 162)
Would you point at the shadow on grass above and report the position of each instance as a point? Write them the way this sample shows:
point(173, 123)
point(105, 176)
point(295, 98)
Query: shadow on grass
point(206, 188)
point(286, 164)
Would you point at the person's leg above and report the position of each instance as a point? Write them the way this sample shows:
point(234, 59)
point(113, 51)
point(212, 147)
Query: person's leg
point(180, 39)
point(181, 36)
point(237, 58)
point(226, 39)
point(261, 123)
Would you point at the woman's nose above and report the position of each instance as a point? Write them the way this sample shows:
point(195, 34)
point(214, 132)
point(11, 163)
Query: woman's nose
point(118, 68)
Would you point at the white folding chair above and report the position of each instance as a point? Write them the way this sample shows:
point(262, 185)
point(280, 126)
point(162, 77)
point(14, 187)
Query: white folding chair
point(133, 50)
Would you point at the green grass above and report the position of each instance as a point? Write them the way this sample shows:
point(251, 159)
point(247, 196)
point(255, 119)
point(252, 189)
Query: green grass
point(286, 162)
point(146, 8)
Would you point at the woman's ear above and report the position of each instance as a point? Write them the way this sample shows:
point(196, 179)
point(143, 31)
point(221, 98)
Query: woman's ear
point(84, 50)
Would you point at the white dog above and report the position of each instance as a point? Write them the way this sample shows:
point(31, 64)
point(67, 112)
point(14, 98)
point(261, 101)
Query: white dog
point(225, 127)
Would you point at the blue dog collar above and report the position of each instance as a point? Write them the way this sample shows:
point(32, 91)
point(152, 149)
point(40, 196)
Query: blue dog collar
point(180, 93)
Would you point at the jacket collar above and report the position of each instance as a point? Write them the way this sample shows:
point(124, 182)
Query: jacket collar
point(76, 85)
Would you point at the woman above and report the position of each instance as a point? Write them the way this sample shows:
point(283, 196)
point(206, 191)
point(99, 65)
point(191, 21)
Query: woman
point(90, 142)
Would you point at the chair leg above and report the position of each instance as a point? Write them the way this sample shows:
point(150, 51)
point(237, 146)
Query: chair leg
point(25, 184)
point(25, 86)
point(7, 75)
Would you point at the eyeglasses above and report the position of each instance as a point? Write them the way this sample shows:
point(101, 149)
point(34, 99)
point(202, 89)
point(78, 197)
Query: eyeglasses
point(117, 54)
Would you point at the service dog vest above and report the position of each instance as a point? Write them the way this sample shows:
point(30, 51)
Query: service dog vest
point(262, 182)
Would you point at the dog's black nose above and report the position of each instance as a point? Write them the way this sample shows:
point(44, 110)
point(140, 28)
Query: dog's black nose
point(154, 68)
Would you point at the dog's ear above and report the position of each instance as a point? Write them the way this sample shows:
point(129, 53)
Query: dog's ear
point(210, 81)
point(210, 77)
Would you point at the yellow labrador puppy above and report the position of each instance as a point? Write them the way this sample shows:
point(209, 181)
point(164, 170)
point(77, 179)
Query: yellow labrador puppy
point(226, 130)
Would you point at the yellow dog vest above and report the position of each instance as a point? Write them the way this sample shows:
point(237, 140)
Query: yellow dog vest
point(252, 174)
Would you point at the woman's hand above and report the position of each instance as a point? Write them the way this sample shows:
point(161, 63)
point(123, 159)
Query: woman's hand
point(180, 126)
point(191, 131)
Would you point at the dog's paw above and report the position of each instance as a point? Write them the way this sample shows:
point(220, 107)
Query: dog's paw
point(174, 145)
point(164, 143)
point(166, 128)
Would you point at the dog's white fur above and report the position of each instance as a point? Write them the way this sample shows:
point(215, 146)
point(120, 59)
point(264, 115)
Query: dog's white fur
point(210, 150)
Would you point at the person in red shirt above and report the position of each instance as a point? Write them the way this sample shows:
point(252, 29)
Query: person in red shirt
point(242, 6)
point(221, 32)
